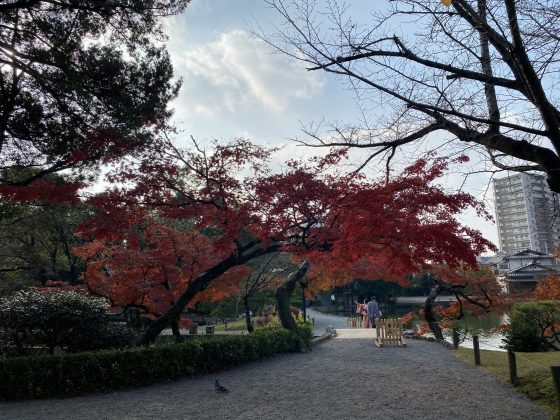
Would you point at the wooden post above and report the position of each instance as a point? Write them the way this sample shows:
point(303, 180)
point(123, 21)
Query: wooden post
point(303, 286)
point(455, 339)
point(556, 379)
point(512, 365)
point(476, 350)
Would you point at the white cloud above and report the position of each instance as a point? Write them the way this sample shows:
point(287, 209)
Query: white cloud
point(234, 71)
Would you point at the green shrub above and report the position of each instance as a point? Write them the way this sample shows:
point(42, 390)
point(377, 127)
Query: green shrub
point(36, 320)
point(108, 335)
point(50, 375)
point(532, 326)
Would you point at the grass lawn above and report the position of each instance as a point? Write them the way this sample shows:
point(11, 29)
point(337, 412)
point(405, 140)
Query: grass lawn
point(533, 370)
point(238, 325)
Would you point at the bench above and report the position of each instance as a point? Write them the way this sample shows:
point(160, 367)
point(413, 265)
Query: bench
point(389, 331)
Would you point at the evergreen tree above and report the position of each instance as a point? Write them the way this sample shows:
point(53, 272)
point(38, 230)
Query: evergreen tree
point(81, 82)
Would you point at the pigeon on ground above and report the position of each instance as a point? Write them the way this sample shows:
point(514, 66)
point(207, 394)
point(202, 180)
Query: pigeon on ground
point(219, 387)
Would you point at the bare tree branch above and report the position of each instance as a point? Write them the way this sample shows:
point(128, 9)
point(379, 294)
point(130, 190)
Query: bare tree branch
point(485, 72)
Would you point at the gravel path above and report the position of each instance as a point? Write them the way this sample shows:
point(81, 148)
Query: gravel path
point(323, 320)
point(343, 378)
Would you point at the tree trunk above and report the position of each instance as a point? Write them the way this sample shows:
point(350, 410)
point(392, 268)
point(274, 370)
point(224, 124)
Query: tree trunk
point(283, 294)
point(303, 310)
point(248, 315)
point(175, 329)
point(198, 285)
point(429, 314)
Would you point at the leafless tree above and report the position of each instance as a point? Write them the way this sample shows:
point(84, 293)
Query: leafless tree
point(483, 71)
point(267, 272)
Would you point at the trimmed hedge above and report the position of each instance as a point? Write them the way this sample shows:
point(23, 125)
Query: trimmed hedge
point(72, 374)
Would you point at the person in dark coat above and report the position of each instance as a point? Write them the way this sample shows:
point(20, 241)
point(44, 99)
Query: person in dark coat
point(373, 311)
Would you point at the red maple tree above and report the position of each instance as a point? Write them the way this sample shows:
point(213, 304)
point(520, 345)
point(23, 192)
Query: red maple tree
point(149, 264)
point(343, 223)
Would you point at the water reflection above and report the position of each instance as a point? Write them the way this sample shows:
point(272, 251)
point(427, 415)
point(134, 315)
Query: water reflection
point(484, 327)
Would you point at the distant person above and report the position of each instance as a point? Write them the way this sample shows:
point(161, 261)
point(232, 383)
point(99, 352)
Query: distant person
point(373, 311)
point(361, 309)
point(333, 299)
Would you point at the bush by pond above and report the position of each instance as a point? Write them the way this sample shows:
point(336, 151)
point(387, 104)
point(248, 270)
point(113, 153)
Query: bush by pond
point(71, 374)
point(534, 326)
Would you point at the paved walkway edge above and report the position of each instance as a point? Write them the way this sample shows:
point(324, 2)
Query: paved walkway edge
point(324, 337)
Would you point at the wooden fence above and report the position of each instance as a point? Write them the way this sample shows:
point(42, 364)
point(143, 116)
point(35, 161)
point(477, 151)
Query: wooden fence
point(389, 331)
point(355, 322)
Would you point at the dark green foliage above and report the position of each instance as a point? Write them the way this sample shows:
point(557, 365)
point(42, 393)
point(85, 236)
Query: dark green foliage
point(296, 300)
point(229, 307)
point(106, 335)
point(384, 291)
point(36, 243)
point(34, 320)
point(304, 328)
point(81, 81)
point(45, 376)
point(205, 308)
point(232, 307)
point(306, 331)
point(262, 299)
point(532, 326)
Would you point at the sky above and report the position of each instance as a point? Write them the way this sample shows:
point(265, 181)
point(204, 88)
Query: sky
point(235, 86)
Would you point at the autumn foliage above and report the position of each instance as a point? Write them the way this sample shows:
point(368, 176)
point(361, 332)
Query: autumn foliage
point(548, 288)
point(146, 264)
point(43, 190)
point(352, 227)
point(174, 215)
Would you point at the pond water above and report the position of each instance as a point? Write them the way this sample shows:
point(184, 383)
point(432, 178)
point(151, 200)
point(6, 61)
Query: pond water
point(483, 326)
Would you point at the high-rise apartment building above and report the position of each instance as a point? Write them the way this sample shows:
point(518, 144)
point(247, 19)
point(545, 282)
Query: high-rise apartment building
point(527, 214)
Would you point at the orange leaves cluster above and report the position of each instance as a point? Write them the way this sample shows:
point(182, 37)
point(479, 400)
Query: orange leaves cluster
point(149, 265)
point(227, 285)
point(548, 288)
point(406, 318)
point(450, 312)
point(354, 227)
